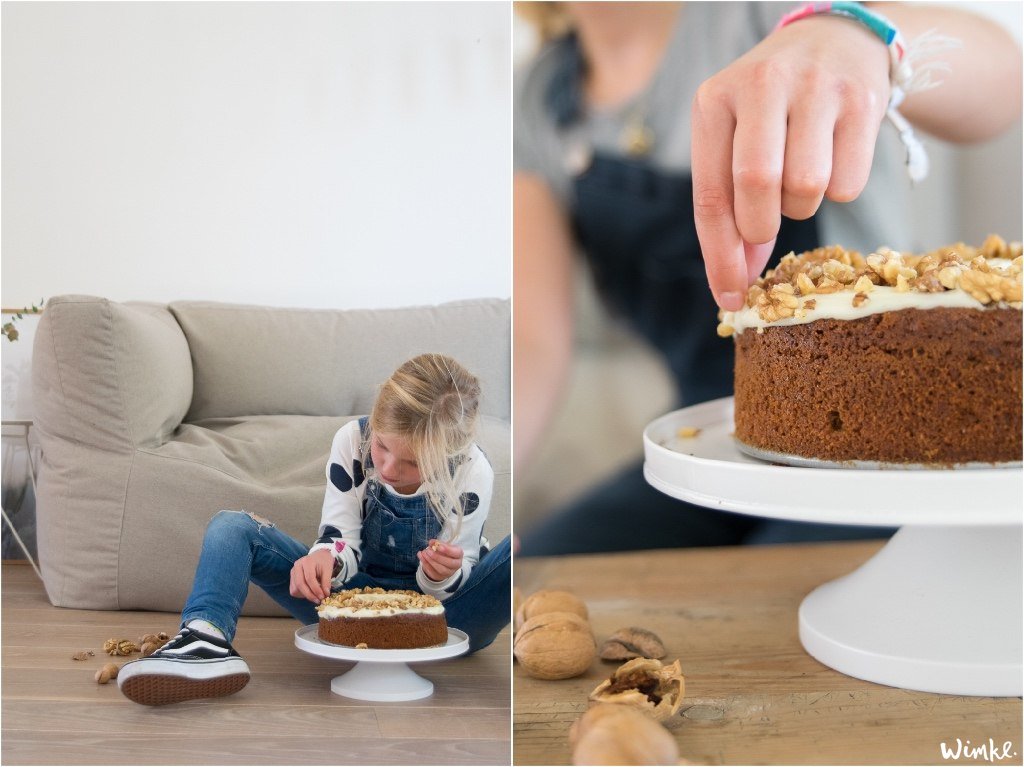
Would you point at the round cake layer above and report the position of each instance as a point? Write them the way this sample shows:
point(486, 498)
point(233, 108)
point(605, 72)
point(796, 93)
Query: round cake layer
point(937, 386)
point(392, 632)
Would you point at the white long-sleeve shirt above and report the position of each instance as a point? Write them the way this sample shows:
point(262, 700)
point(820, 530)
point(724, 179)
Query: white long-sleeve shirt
point(341, 521)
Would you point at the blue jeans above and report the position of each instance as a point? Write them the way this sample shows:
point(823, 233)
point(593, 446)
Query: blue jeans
point(239, 548)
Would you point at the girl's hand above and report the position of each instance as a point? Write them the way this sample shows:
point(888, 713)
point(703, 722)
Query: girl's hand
point(440, 560)
point(792, 121)
point(311, 576)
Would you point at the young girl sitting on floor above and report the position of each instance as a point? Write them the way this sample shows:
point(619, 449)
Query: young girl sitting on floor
point(408, 492)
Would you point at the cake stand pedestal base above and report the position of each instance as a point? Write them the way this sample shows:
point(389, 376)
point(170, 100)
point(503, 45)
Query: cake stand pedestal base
point(381, 675)
point(382, 681)
point(938, 609)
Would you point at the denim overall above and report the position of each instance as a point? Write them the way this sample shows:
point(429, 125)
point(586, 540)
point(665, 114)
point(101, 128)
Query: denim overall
point(394, 529)
point(636, 228)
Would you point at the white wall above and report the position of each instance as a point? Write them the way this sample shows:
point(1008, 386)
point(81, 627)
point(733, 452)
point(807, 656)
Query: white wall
point(285, 153)
point(322, 154)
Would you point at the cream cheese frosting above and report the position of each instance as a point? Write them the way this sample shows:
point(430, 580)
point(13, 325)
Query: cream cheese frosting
point(833, 283)
point(839, 306)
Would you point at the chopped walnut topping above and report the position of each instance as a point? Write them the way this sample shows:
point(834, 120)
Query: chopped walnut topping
point(724, 330)
point(778, 303)
point(863, 284)
point(805, 284)
point(928, 283)
point(989, 287)
point(379, 599)
point(839, 271)
point(834, 269)
point(828, 285)
point(948, 276)
point(995, 246)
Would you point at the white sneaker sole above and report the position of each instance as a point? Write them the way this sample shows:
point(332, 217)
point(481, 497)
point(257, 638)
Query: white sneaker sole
point(157, 682)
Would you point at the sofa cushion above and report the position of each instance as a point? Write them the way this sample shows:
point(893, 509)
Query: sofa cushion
point(251, 360)
point(107, 379)
point(114, 376)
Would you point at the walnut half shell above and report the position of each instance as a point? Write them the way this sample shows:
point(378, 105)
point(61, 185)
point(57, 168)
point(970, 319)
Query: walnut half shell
point(645, 684)
point(632, 642)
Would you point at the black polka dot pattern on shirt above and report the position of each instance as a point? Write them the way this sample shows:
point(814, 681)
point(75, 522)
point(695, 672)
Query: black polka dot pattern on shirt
point(470, 503)
point(340, 478)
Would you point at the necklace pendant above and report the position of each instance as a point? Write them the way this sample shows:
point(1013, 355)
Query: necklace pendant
point(637, 139)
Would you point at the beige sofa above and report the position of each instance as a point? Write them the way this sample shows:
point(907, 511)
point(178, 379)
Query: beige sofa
point(151, 418)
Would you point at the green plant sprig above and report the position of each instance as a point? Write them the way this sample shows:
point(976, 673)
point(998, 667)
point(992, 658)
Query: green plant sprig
point(9, 328)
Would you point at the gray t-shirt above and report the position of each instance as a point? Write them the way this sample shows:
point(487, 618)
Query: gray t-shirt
point(708, 36)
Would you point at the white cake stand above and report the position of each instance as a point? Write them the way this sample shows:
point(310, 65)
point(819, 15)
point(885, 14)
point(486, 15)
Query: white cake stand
point(381, 675)
point(938, 609)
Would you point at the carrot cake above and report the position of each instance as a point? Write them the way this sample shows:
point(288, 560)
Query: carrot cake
point(380, 619)
point(889, 358)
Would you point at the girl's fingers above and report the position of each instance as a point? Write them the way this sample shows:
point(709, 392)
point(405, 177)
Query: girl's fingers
point(312, 584)
point(446, 556)
point(713, 127)
point(853, 149)
point(298, 587)
point(438, 566)
point(758, 150)
point(446, 549)
point(757, 257)
point(429, 569)
point(808, 160)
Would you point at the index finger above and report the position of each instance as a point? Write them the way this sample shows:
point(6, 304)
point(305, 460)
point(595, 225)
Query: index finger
point(713, 127)
point(447, 549)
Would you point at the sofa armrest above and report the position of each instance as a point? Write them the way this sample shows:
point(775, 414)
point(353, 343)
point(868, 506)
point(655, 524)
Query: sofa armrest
point(108, 375)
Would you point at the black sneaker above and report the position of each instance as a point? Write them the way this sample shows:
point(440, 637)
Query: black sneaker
point(192, 665)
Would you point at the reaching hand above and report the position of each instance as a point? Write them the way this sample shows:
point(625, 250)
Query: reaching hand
point(311, 576)
point(440, 560)
point(790, 122)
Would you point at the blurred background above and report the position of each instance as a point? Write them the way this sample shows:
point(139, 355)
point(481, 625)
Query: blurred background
point(617, 385)
point(302, 154)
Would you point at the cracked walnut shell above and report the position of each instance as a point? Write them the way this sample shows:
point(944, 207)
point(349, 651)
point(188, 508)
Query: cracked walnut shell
point(645, 684)
point(120, 647)
point(556, 645)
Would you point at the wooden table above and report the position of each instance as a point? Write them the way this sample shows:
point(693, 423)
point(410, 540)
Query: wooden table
point(753, 696)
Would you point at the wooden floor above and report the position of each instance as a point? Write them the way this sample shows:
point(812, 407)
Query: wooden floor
point(55, 713)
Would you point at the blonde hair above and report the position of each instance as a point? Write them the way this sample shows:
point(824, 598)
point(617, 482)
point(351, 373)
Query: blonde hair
point(432, 402)
point(548, 19)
